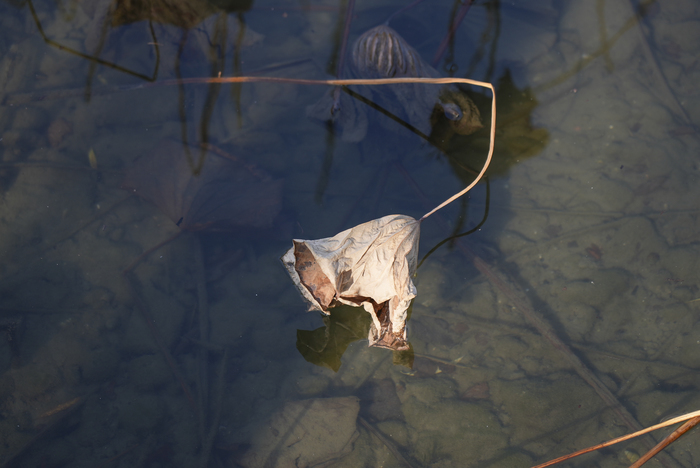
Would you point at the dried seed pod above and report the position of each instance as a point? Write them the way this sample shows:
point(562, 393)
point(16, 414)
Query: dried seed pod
point(382, 53)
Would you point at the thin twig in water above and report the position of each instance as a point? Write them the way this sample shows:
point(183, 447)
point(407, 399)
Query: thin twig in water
point(54, 421)
point(695, 415)
point(91, 58)
point(667, 441)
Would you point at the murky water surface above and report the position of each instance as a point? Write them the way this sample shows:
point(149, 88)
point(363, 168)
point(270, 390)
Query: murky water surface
point(566, 315)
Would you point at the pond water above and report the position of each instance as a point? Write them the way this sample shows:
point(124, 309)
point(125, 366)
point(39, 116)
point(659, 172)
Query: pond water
point(565, 315)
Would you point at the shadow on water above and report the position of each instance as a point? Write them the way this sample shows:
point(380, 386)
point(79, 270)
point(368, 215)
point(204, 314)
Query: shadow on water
point(564, 317)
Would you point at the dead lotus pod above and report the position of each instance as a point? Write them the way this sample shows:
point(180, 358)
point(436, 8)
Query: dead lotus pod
point(382, 53)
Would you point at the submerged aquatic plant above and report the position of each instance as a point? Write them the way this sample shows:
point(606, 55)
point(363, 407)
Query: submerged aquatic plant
point(381, 53)
point(225, 195)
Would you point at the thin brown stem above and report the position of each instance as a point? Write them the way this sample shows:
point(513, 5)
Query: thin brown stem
point(667, 441)
point(94, 59)
point(208, 442)
point(492, 137)
point(695, 415)
point(31, 97)
point(331, 82)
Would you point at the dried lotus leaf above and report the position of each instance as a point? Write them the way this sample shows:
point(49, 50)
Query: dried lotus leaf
point(312, 276)
point(369, 265)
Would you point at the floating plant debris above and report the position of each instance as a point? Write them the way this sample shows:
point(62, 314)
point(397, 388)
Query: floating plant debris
point(370, 265)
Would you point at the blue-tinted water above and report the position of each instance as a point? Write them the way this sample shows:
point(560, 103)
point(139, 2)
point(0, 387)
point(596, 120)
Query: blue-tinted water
point(566, 317)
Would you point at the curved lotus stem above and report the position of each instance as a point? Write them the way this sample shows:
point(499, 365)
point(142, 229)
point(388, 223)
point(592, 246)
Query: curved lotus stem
point(373, 82)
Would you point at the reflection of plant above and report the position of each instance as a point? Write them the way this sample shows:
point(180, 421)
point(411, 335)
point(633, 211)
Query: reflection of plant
point(517, 139)
point(325, 346)
point(217, 38)
point(94, 58)
point(183, 14)
point(515, 132)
